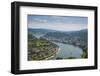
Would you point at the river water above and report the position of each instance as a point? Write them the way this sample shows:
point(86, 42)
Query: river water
point(67, 50)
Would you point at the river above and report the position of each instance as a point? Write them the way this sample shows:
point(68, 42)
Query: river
point(67, 50)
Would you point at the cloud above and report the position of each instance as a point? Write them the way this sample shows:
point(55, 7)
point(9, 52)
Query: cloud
point(58, 22)
point(58, 26)
point(39, 20)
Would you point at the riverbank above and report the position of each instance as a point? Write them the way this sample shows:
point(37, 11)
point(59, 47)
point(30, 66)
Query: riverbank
point(53, 55)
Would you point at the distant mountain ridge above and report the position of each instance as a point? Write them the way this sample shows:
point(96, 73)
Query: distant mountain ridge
point(49, 30)
point(40, 31)
point(59, 35)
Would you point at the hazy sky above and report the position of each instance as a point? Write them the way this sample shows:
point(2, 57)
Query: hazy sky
point(62, 23)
